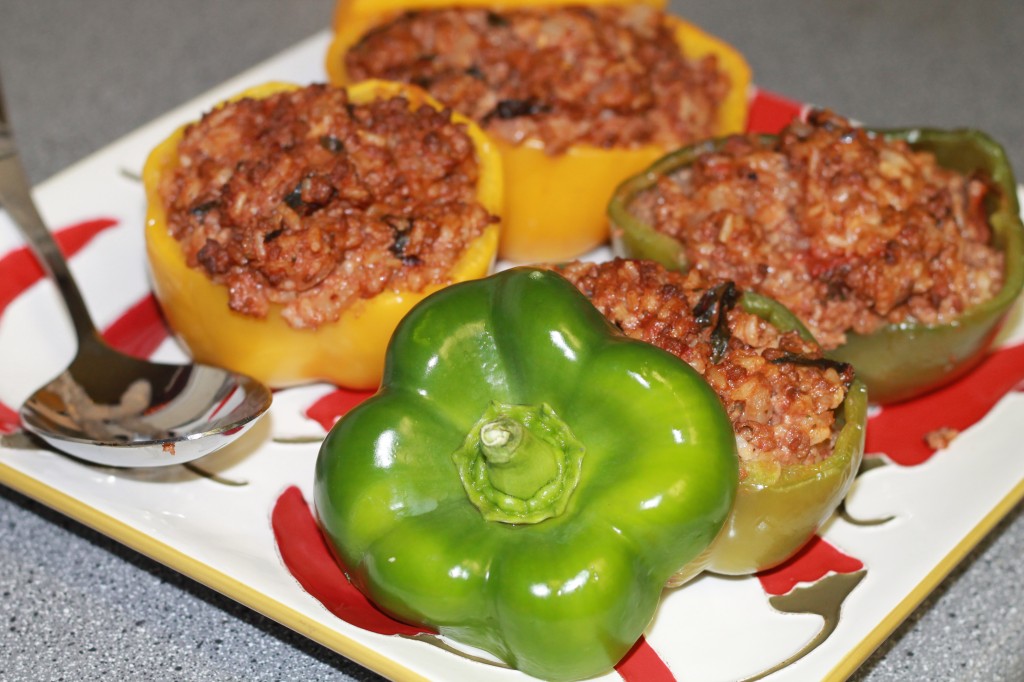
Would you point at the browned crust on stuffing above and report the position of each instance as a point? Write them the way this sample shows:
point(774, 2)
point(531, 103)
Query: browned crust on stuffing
point(782, 408)
point(307, 200)
point(604, 76)
point(850, 231)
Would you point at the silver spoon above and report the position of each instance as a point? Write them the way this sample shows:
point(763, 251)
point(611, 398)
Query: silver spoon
point(110, 408)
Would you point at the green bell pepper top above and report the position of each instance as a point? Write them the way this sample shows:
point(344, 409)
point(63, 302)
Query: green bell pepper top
point(527, 479)
point(897, 361)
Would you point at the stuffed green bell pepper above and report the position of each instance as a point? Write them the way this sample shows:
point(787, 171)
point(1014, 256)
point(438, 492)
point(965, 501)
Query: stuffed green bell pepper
point(799, 418)
point(900, 249)
point(779, 508)
point(527, 479)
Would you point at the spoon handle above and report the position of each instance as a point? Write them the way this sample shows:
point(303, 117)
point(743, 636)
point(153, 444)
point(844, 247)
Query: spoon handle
point(16, 198)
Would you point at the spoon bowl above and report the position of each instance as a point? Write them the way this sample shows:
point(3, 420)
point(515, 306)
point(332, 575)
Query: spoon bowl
point(114, 409)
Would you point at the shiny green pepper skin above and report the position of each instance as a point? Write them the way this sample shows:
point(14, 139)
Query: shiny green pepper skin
point(429, 492)
point(898, 361)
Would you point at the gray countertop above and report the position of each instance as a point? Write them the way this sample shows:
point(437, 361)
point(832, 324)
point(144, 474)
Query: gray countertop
point(79, 75)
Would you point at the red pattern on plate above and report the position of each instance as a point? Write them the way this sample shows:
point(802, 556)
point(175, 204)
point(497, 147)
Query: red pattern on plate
point(770, 113)
point(140, 330)
point(643, 664)
point(19, 270)
point(812, 563)
point(899, 430)
point(306, 555)
point(328, 409)
point(9, 420)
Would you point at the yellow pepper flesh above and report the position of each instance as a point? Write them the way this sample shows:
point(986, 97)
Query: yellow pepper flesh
point(349, 351)
point(555, 205)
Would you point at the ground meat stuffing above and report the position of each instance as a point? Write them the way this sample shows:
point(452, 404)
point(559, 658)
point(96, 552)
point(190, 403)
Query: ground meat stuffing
point(605, 76)
point(941, 438)
point(778, 390)
point(309, 201)
point(850, 231)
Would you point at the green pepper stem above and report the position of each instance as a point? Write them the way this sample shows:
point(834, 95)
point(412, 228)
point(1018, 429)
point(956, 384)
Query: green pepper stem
point(499, 439)
point(518, 463)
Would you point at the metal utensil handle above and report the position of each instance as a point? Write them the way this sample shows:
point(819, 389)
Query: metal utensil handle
point(16, 198)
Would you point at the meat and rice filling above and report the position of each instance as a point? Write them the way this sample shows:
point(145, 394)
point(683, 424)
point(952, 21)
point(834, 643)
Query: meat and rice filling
point(307, 200)
point(604, 76)
point(848, 230)
point(778, 390)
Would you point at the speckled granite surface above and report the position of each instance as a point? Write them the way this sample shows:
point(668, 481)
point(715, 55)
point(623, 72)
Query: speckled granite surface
point(75, 605)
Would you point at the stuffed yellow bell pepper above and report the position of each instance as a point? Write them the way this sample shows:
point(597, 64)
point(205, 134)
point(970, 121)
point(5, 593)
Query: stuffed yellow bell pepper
point(283, 345)
point(554, 198)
